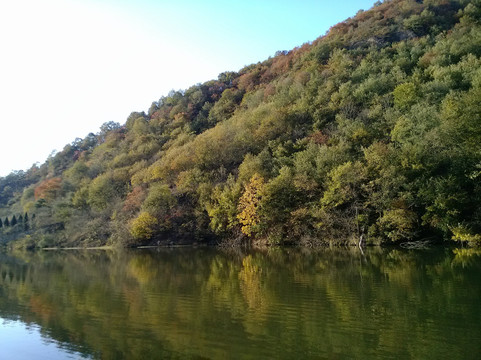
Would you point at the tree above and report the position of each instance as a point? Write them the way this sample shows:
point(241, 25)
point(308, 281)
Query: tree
point(279, 199)
point(48, 189)
point(344, 184)
point(405, 95)
point(106, 128)
point(101, 192)
point(159, 203)
point(26, 225)
point(398, 224)
point(143, 227)
point(223, 208)
point(6, 222)
point(249, 205)
point(159, 200)
point(14, 221)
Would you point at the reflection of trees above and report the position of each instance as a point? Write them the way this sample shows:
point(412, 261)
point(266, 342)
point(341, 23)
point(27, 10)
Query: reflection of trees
point(274, 303)
point(466, 257)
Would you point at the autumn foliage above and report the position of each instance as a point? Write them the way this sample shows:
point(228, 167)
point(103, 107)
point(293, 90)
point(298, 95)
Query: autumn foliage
point(249, 205)
point(370, 132)
point(48, 189)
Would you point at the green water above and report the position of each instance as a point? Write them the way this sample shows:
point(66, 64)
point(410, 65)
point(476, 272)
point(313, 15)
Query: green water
point(213, 304)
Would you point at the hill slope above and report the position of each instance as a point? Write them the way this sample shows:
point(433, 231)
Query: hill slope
point(372, 131)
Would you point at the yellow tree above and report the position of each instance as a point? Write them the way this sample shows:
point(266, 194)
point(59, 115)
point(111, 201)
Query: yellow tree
point(143, 227)
point(249, 204)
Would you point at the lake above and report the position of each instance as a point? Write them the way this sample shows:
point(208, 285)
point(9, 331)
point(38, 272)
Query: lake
point(204, 303)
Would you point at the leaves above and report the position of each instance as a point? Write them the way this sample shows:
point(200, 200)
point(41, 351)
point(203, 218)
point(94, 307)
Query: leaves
point(143, 226)
point(249, 205)
point(48, 189)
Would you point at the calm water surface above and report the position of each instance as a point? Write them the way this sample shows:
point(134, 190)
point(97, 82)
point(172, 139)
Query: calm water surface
point(213, 304)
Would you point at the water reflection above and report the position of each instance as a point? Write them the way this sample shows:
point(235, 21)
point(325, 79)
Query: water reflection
point(291, 303)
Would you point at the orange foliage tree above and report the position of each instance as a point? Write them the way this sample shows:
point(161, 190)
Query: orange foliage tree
point(48, 189)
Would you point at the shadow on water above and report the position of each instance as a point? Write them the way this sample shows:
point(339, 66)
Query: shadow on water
point(272, 303)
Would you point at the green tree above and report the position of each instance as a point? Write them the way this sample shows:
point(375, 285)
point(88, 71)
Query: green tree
point(223, 207)
point(398, 224)
point(344, 185)
point(279, 198)
point(159, 203)
point(159, 199)
point(103, 191)
point(405, 95)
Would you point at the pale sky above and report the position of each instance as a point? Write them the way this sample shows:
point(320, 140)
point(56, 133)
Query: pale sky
point(68, 66)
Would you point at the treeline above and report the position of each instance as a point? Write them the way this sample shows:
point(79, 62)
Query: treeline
point(14, 226)
point(19, 219)
point(371, 132)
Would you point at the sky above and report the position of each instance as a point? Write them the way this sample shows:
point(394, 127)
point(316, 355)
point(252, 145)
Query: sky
point(68, 66)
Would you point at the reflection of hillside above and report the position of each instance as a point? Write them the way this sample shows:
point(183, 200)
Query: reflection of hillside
point(188, 302)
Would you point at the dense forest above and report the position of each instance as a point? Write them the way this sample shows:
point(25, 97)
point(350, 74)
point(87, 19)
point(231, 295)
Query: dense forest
point(371, 132)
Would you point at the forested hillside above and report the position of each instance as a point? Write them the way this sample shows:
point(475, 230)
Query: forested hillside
point(370, 132)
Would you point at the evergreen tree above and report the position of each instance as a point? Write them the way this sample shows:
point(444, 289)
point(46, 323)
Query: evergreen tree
point(1, 223)
point(6, 222)
point(14, 221)
point(25, 222)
